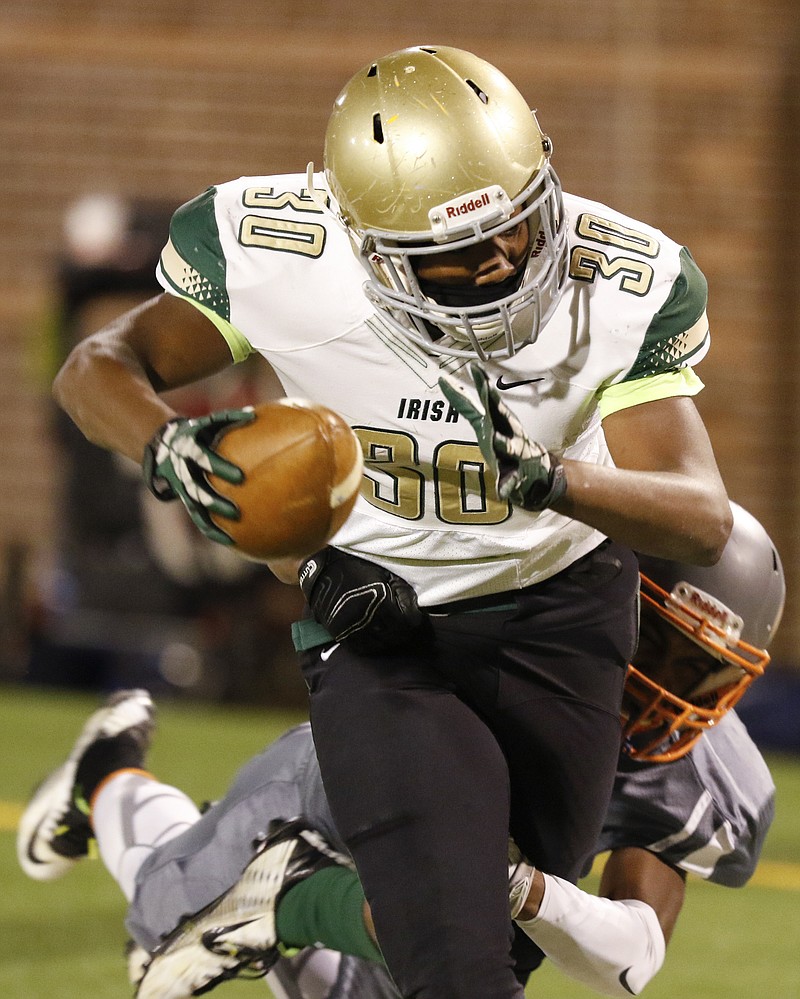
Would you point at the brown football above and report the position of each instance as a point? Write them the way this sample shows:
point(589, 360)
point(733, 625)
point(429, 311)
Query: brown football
point(302, 465)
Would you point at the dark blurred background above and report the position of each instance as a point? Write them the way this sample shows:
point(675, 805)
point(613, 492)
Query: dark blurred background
point(681, 112)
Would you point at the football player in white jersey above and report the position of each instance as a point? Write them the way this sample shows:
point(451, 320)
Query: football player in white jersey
point(475, 283)
point(692, 794)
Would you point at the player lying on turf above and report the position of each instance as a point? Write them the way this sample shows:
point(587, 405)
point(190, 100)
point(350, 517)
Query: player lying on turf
point(675, 808)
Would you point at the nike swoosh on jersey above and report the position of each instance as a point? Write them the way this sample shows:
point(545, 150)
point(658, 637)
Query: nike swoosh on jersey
point(623, 981)
point(501, 384)
point(327, 653)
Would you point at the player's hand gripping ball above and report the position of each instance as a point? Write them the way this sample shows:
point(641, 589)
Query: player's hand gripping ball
point(302, 469)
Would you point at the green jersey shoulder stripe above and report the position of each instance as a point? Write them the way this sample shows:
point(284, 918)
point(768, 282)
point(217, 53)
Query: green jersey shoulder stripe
point(679, 330)
point(193, 261)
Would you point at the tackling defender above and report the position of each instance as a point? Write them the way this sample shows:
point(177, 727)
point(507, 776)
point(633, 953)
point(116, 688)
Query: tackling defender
point(518, 544)
point(692, 793)
point(676, 807)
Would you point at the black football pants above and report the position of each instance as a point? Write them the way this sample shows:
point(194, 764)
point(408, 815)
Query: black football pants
point(508, 722)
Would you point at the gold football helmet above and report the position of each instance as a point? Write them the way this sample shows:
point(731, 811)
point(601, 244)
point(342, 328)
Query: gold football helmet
point(431, 150)
point(731, 610)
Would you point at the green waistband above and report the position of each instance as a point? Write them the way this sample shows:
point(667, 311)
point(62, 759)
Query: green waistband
point(308, 634)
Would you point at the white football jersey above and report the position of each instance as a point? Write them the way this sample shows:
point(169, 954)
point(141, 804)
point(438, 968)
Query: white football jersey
point(277, 275)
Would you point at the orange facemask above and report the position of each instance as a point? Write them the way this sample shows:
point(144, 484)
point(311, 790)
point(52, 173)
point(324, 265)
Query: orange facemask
point(660, 726)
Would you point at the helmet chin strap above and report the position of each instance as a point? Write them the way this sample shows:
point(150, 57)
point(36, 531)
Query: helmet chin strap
point(322, 201)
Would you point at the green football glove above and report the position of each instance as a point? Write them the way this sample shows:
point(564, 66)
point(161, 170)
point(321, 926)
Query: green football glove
point(181, 454)
point(526, 473)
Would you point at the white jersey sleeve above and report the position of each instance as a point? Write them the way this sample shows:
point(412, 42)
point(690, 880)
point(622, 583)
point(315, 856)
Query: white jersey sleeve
point(277, 275)
point(707, 813)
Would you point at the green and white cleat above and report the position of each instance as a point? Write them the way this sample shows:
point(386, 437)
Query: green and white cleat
point(236, 934)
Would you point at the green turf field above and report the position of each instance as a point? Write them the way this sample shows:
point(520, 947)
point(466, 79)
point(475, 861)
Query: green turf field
point(64, 940)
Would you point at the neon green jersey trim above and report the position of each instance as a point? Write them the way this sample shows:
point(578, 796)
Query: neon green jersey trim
point(238, 344)
point(664, 386)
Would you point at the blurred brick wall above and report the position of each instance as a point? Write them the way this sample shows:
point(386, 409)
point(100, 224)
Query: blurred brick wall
point(681, 112)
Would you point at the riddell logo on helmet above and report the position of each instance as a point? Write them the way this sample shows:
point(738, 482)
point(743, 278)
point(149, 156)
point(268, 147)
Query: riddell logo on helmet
point(708, 609)
point(467, 206)
point(472, 208)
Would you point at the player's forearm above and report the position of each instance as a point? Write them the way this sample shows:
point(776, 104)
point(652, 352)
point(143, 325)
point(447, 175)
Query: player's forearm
point(613, 947)
point(105, 391)
point(665, 514)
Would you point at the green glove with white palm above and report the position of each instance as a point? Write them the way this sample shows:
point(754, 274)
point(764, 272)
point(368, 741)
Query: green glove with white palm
point(526, 473)
point(181, 456)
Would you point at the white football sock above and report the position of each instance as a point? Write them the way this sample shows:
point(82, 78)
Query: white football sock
point(131, 816)
point(614, 947)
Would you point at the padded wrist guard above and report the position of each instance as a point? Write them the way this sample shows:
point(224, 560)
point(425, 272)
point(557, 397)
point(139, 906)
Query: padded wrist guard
point(362, 603)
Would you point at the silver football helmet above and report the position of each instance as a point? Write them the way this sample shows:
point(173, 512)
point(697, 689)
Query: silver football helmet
point(431, 150)
point(731, 610)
